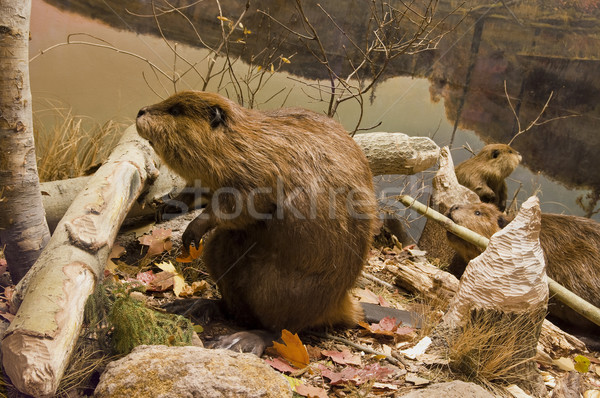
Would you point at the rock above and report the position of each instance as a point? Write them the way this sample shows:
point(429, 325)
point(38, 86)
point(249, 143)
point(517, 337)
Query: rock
point(453, 389)
point(161, 371)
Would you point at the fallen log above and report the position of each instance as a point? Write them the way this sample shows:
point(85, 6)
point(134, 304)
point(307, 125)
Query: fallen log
point(39, 341)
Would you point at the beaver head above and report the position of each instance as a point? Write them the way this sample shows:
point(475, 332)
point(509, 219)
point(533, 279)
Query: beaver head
point(483, 218)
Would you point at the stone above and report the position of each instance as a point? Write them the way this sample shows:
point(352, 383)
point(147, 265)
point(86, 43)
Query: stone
point(161, 372)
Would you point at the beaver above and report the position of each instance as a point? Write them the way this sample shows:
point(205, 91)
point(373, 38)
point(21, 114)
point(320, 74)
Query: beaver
point(485, 173)
point(291, 209)
point(571, 247)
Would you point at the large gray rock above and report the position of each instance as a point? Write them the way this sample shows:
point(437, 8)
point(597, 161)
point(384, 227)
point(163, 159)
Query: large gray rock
point(453, 389)
point(161, 372)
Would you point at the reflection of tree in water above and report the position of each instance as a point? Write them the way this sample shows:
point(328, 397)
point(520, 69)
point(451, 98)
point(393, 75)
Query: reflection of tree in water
point(565, 150)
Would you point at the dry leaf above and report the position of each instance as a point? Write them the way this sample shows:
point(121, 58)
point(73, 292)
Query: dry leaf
point(387, 327)
point(311, 391)
point(366, 296)
point(582, 364)
point(280, 365)
point(358, 376)
point(292, 349)
point(116, 251)
point(343, 357)
point(158, 241)
point(145, 277)
point(564, 364)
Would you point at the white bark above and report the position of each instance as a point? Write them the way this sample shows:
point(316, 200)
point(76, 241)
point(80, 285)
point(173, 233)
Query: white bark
point(23, 228)
point(39, 341)
point(397, 153)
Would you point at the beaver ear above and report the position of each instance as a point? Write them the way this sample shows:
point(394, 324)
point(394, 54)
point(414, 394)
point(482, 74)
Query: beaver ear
point(217, 116)
point(502, 221)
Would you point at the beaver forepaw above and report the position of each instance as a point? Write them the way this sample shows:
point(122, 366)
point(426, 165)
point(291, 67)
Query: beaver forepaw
point(195, 230)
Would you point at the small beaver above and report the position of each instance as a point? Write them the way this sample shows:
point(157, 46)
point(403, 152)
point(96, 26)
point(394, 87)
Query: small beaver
point(485, 173)
point(291, 207)
point(571, 245)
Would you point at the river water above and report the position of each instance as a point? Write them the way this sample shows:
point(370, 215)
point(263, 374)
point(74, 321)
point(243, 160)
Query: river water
point(463, 79)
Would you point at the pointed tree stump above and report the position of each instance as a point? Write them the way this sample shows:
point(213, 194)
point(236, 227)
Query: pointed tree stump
point(498, 311)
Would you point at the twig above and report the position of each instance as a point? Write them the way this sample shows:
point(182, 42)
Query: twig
point(373, 278)
point(535, 121)
point(368, 350)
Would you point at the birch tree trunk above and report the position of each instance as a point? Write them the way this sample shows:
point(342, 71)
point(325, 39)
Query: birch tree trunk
point(23, 228)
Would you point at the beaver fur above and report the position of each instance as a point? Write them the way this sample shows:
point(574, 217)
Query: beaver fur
point(291, 206)
point(485, 173)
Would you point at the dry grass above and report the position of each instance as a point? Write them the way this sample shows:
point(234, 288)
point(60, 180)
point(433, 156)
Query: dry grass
point(73, 146)
point(494, 347)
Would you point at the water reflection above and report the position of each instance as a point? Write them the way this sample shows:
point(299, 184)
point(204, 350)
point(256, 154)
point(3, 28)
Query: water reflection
point(536, 50)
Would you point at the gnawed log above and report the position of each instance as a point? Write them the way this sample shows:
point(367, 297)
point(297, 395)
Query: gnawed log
point(446, 193)
point(39, 341)
point(497, 313)
point(388, 153)
point(397, 153)
point(434, 285)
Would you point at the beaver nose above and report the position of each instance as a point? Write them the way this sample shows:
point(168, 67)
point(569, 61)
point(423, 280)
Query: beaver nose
point(141, 112)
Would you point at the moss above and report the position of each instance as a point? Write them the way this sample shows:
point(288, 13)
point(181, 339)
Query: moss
point(134, 324)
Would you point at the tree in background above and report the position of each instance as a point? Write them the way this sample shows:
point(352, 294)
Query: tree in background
point(23, 228)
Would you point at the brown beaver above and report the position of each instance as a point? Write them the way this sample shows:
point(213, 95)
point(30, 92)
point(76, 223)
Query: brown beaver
point(571, 246)
point(485, 172)
point(291, 209)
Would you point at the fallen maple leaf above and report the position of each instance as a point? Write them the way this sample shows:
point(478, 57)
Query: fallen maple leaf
point(292, 349)
point(311, 391)
point(178, 281)
point(343, 357)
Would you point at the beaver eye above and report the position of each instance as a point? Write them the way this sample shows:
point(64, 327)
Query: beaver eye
point(175, 110)
point(217, 116)
point(477, 213)
point(495, 153)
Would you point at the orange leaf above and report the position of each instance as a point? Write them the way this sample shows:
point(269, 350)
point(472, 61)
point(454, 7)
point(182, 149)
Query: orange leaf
point(193, 253)
point(292, 349)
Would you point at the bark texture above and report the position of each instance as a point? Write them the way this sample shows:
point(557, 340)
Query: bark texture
point(23, 228)
point(40, 339)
